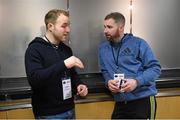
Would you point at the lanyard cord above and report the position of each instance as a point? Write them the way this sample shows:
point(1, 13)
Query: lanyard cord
point(53, 45)
point(113, 51)
point(55, 48)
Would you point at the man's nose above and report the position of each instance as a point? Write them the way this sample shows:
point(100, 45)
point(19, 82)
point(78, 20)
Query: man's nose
point(68, 29)
point(105, 30)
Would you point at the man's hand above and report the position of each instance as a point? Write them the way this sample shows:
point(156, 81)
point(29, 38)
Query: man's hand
point(73, 62)
point(129, 85)
point(82, 90)
point(113, 86)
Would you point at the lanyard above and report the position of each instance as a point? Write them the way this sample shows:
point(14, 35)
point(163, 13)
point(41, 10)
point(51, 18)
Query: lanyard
point(113, 51)
point(54, 46)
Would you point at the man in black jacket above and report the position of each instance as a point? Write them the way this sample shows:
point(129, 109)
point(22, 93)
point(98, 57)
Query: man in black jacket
point(50, 68)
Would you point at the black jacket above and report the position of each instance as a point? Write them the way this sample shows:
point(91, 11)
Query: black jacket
point(45, 69)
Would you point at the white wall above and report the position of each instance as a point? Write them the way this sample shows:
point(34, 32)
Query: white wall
point(20, 22)
point(157, 21)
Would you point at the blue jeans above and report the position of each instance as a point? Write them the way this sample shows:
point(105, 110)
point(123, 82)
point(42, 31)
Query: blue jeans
point(66, 115)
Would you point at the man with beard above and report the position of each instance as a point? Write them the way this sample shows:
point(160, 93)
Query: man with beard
point(130, 69)
point(50, 68)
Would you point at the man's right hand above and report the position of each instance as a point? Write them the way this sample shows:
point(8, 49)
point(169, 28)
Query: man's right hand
point(73, 62)
point(113, 86)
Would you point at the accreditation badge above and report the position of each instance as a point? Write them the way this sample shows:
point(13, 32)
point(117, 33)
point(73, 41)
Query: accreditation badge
point(120, 78)
point(67, 92)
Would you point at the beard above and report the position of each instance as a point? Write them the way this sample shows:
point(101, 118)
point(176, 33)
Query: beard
point(113, 37)
point(109, 37)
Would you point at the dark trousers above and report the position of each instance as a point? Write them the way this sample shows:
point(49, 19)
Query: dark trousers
point(144, 108)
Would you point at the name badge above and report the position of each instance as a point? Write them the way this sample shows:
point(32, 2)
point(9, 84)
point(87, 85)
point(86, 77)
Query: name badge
point(67, 93)
point(120, 78)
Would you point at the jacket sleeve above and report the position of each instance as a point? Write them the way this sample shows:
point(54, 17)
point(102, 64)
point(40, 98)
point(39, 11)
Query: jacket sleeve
point(151, 68)
point(38, 75)
point(75, 79)
point(74, 76)
point(103, 67)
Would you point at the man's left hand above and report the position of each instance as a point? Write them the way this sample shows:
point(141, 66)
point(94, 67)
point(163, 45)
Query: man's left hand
point(82, 90)
point(129, 85)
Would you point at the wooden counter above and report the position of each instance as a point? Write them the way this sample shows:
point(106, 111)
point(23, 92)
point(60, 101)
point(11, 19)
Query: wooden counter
point(15, 97)
point(96, 106)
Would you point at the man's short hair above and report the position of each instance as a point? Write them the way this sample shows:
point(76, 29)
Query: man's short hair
point(53, 14)
point(118, 17)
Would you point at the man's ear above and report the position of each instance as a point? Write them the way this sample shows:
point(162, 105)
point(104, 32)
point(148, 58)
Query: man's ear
point(121, 28)
point(50, 27)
